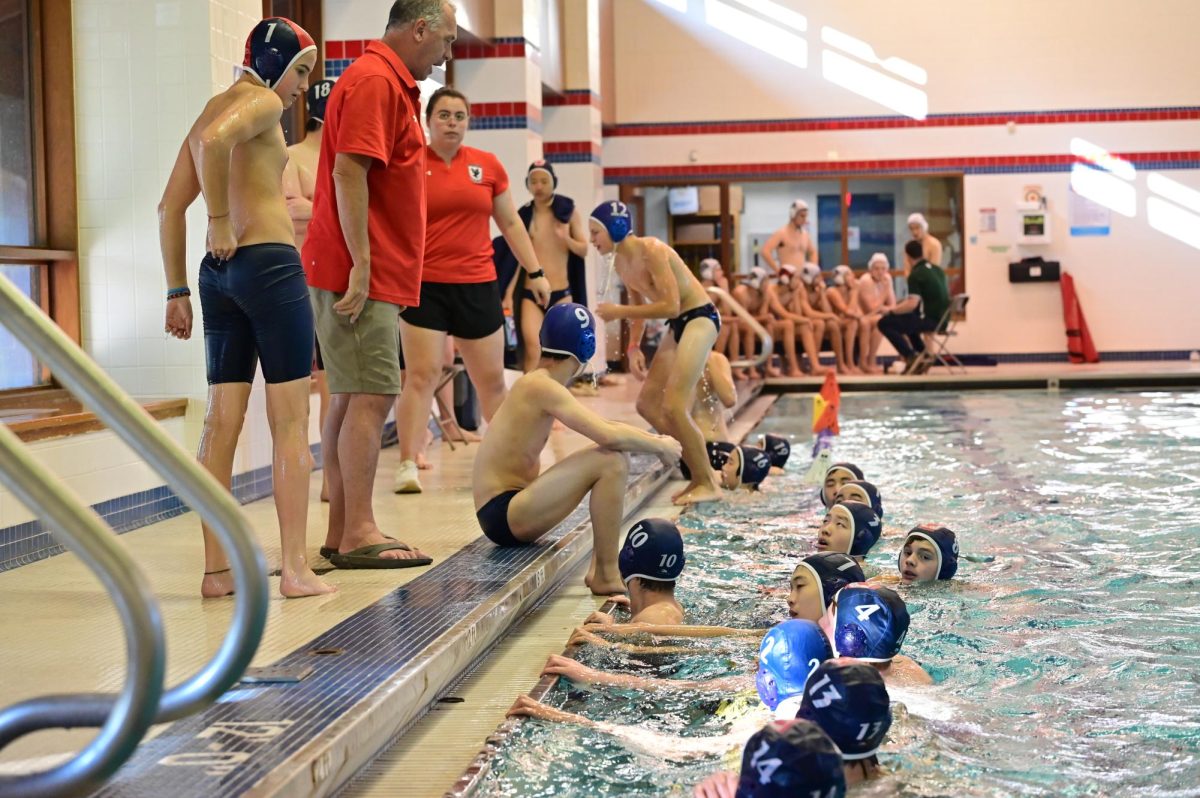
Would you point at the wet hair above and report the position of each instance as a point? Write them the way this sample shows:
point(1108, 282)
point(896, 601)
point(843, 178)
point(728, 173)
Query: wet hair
point(656, 585)
point(441, 94)
point(311, 124)
point(913, 249)
point(406, 12)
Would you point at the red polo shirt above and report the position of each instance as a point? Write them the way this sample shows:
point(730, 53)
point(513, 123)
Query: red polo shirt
point(373, 111)
point(458, 241)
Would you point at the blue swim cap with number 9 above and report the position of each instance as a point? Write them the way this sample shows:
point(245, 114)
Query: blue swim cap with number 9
point(614, 215)
point(569, 329)
point(653, 550)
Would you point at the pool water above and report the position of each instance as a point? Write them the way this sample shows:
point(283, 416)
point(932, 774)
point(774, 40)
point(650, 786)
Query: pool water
point(1069, 665)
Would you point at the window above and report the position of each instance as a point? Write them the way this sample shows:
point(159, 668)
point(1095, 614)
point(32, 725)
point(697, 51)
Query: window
point(37, 174)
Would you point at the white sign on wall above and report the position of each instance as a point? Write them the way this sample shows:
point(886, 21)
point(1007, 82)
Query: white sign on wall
point(1087, 218)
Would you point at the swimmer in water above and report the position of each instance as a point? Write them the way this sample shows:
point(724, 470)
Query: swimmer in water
point(778, 448)
point(869, 623)
point(850, 528)
point(859, 490)
point(814, 583)
point(782, 760)
point(837, 475)
point(745, 467)
point(850, 703)
point(514, 502)
point(930, 553)
point(788, 654)
point(650, 562)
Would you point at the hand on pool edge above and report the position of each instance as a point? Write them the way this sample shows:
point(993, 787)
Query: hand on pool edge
point(719, 785)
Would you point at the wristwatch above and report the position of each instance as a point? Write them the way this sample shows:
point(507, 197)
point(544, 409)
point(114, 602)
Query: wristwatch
point(535, 275)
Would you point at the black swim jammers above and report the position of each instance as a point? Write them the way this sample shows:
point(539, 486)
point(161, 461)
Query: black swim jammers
point(708, 311)
point(493, 519)
point(255, 308)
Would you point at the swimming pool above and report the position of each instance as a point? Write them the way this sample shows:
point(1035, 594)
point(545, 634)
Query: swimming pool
point(1070, 665)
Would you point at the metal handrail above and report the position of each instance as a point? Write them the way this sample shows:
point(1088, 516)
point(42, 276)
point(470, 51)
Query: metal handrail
point(145, 644)
point(197, 488)
point(768, 343)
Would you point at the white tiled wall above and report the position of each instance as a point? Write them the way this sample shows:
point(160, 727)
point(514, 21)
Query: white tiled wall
point(144, 70)
point(95, 467)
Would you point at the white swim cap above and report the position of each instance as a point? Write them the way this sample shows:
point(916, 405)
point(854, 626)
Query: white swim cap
point(878, 257)
point(917, 218)
point(786, 272)
point(707, 267)
point(841, 274)
point(796, 207)
point(809, 273)
point(755, 278)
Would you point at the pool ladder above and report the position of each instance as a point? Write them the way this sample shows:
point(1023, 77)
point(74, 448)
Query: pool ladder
point(124, 718)
point(764, 337)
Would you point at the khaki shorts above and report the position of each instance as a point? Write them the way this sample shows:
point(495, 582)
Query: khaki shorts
point(362, 357)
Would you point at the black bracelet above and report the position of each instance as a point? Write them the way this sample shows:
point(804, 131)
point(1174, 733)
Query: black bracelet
point(535, 275)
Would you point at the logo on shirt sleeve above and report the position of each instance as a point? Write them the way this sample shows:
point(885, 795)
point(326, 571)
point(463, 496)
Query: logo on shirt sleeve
point(475, 173)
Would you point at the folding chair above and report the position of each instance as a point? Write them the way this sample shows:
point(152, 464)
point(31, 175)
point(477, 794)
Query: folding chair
point(937, 349)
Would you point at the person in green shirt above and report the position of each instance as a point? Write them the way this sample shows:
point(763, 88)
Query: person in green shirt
point(921, 312)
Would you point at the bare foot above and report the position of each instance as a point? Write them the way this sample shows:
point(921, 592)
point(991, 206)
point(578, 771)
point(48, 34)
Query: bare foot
point(872, 370)
point(303, 582)
point(772, 371)
point(217, 584)
point(795, 371)
point(849, 369)
point(739, 374)
point(605, 587)
point(422, 462)
point(696, 494)
point(820, 371)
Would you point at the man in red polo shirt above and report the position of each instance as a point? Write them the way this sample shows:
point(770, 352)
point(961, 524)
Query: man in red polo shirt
point(363, 257)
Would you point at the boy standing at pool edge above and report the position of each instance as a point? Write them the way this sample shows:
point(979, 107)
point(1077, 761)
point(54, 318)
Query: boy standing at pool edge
point(661, 286)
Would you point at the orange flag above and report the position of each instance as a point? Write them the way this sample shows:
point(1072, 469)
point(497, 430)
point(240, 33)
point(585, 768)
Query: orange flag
point(825, 406)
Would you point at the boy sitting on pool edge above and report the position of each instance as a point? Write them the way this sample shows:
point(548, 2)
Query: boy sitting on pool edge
point(515, 504)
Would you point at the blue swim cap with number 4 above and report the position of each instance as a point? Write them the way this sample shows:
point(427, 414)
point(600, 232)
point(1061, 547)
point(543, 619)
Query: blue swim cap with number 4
point(653, 550)
point(614, 216)
point(871, 623)
point(569, 329)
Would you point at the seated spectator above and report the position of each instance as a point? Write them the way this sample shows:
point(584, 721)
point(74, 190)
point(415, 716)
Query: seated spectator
point(787, 324)
point(729, 340)
point(843, 299)
point(920, 312)
point(876, 296)
point(813, 304)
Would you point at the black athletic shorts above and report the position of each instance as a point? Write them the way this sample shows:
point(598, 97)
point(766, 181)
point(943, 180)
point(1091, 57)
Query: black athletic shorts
point(464, 310)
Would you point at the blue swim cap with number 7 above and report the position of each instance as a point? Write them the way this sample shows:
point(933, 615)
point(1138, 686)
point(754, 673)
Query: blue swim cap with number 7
point(614, 215)
point(653, 550)
point(569, 329)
